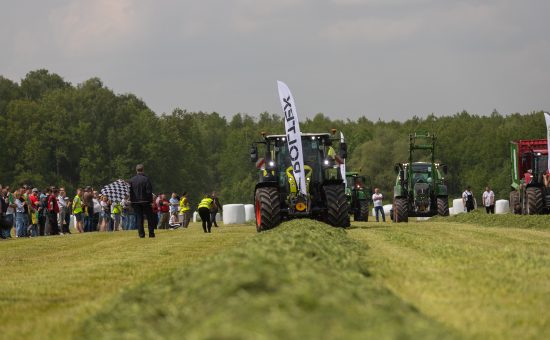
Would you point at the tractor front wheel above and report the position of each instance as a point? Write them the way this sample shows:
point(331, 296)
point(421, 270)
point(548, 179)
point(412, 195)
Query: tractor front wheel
point(337, 206)
point(515, 205)
point(400, 210)
point(443, 206)
point(364, 207)
point(267, 208)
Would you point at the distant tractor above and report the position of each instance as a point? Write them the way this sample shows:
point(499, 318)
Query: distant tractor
point(359, 195)
point(420, 189)
point(277, 196)
point(529, 195)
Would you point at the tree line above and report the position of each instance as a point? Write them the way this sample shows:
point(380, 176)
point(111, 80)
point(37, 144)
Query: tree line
point(56, 133)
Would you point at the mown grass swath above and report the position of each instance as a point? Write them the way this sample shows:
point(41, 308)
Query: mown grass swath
point(479, 217)
point(300, 280)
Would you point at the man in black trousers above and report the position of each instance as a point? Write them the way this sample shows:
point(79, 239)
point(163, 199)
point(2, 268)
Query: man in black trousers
point(141, 197)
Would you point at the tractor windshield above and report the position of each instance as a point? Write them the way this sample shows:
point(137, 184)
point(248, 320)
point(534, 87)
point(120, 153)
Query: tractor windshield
point(312, 149)
point(422, 172)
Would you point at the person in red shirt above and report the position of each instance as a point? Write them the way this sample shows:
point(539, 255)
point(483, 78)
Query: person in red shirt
point(53, 210)
point(34, 198)
point(164, 209)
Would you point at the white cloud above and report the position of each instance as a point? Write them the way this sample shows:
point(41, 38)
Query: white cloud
point(84, 27)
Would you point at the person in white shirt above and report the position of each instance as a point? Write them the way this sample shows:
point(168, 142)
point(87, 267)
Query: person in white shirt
point(489, 200)
point(377, 198)
point(62, 211)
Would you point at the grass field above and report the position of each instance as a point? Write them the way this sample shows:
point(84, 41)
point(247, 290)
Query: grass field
point(435, 279)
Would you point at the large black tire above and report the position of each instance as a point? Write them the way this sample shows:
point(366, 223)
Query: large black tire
point(443, 206)
point(364, 207)
point(400, 210)
point(515, 205)
point(337, 206)
point(534, 202)
point(267, 208)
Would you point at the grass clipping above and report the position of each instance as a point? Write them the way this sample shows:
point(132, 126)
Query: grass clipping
point(302, 279)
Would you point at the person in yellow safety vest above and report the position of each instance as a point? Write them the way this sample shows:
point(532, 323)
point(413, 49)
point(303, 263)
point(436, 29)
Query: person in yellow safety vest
point(333, 172)
point(117, 216)
point(185, 210)
point(77, 210)
point(204, 212)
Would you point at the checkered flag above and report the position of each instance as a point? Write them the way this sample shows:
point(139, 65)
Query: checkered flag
point(116, 190)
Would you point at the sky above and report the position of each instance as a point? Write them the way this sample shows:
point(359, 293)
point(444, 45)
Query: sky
point(381, 59)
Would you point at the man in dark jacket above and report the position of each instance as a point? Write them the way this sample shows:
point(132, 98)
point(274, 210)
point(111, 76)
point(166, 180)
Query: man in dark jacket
point(141, 197)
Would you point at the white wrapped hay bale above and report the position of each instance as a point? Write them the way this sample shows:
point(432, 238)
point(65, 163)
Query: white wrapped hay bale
point(458, 206)
point(196, 217)
point(502, 207)
point(387, 209)
point(234, 214)
point(423, 218)
point(452, 211)
point(249, 213)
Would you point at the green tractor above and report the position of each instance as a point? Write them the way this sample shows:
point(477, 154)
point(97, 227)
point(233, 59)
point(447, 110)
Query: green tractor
point(420, 189)
point(277, 196)
point(359, 195)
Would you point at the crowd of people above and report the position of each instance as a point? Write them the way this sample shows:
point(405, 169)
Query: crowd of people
point(30, 212)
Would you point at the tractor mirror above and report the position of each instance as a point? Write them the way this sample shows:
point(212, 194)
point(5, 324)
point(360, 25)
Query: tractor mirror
point(444, 168)
point(396, 168)
point(343, 150)
point(253, 153)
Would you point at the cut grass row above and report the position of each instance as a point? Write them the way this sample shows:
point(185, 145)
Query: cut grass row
point(303, 279)
point(48, 285)
point(484, 282)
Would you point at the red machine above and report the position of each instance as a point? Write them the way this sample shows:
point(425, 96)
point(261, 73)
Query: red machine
point(530, 193)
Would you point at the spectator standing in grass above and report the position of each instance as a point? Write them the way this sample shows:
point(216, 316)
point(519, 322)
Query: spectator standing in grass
point(141, 196)
point(468, 199)
point(116, 210)
point(377, 198)
point(62, 211)
point(10, 211)
point(20, 214)
point(164, 212)
point(489, 200)
point(43, 212)
point(78, 210)
point(3, 220)
point(185, 210)
point(216, 206)
point(34, 205)
point(88, 206)
point(204, 212)
point(129, 218)
point(53, 210)
point(105, 213)
point(97, 210)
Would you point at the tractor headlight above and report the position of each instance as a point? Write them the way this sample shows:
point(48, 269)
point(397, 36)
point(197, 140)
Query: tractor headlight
point(271, 165)
point(328, 162)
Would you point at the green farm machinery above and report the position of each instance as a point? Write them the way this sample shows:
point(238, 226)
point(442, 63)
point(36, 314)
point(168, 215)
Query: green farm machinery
point(359, 195)
point(420, 189)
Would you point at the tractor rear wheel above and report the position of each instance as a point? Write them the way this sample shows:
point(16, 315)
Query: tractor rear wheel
point(515, 206)
point(337, 206)
point(443, 206)
point(364, 207)
point(400, 210)
point(533, 201)
point(267, 208)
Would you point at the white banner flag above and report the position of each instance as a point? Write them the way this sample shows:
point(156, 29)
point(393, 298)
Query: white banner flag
point(293, 135)
point(343, 165)
point(547, 118)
